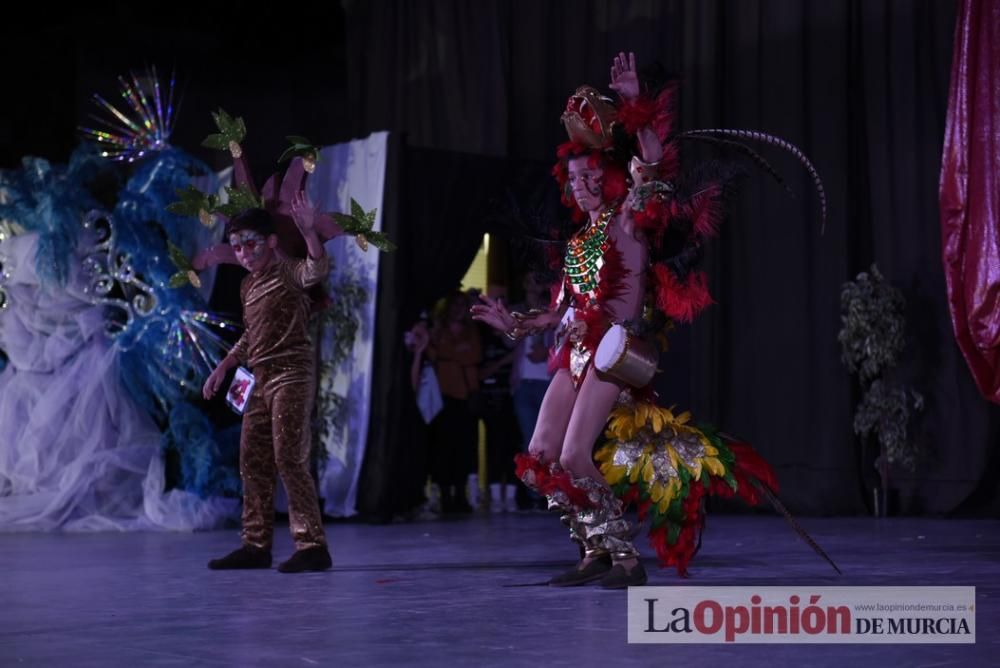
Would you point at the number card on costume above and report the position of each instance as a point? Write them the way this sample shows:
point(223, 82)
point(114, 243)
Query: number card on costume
point(239, 392)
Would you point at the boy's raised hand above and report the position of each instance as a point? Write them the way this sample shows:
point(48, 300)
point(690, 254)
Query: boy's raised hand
point(303, 213)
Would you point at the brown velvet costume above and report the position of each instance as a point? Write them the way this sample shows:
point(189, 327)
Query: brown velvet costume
point(275, 437)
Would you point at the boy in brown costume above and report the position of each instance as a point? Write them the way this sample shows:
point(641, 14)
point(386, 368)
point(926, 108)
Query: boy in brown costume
point(275, 345)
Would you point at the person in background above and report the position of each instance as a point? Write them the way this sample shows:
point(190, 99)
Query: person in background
point(456, 352)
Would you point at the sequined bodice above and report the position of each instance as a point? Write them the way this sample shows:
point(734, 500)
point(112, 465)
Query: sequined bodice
point(585, 259)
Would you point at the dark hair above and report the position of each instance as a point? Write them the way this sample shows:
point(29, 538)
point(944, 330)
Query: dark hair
point(614, 187)
point(442, 309)
point(256, 220)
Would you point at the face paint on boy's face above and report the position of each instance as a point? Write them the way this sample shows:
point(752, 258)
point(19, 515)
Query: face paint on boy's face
point(585, 183)
point(250, 247)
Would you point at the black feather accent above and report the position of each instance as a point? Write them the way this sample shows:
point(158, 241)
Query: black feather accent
point(743, 148)
point(773, 141)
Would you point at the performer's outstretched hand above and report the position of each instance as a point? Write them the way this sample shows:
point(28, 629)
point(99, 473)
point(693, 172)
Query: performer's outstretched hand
point(305, 216)
point(624, 78)
point(534, 321)
point(303, 213)
point(493, 313)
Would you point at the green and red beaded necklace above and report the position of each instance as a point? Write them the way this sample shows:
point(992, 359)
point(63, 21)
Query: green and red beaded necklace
point(585, 256)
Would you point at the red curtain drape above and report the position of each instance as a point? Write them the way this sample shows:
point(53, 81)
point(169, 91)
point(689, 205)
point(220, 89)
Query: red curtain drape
point(970, 192)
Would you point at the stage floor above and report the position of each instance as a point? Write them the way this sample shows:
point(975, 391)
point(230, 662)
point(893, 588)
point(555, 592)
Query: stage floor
point(458, 592)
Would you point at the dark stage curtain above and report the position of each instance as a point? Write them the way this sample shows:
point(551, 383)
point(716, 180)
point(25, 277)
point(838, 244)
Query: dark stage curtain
point(860, 85)
point(434, 211)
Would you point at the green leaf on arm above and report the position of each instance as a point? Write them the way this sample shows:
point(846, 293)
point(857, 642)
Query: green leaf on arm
point(178, 280)
point(233, 127)
point(380, 241)
point(360, 222)
point(216, 141)
point(191, 201)
point(230, 130)
point(178, 258)
point(300, 146)
point(357, 211)
point(240, 199)
point(350, 224)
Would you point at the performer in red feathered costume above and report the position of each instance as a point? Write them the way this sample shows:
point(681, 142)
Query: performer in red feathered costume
point(627, 272)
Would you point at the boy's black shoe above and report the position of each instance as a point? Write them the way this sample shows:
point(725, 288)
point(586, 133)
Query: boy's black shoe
point(310, 559)
point(247, 556)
